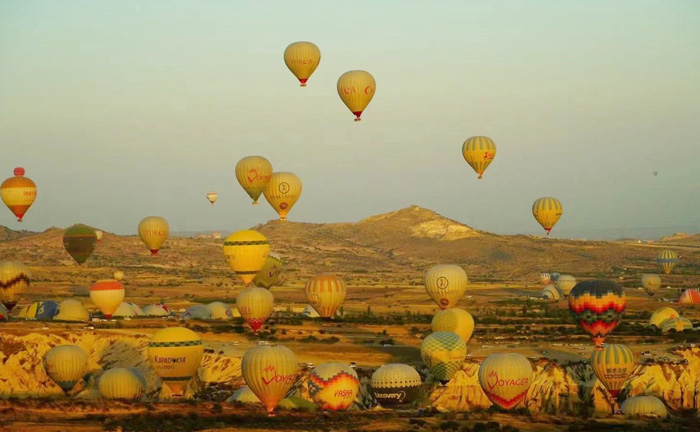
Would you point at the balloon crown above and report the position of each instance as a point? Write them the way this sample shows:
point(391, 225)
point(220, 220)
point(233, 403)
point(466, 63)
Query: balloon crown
point(19, 171)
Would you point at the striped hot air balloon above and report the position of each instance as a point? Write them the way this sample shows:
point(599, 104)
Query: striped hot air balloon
point(454, 320)
point(269, 274)
point(446, 284)
point(154, 231)
point(14, 280)
point(107, 294)
point(550, 292)
point(80, 242)
point(690, 296)
point(613, 365)
point(505, 378)
point(255, 305)
point(644, 406)
point(597, 305)
point(443, 352)
point(246, 252)
point(333, 386)
point(66, 365)
point(282, 192)
point(667, 259)
point(302, 59)
point(677, 324)
point(326, 293)
point(660, 315)
point(270, 371)
point(18, 193)
point(545, 278)
point(356, 89)
point(175, 354)
point(479, 152)
point(547, 211)
point(564, 284)
point(121, 383)
point(253, 173)
point(395, 385)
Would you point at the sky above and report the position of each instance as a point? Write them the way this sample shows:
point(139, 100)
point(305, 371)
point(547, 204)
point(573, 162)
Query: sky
point(127, 108)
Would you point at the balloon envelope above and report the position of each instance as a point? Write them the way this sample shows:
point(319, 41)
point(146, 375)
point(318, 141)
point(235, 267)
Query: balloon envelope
point(667, 259)
point(505, 378)
point(613, 365)
point(547, 211)
point(326, 293)
point(454, 320)
point(644, 406)
point(246, 252)
point(597, 305)
point(651, 283)
point(443, 353)
point(154, 231)
point(14, 280)
point(255, 305)
point(66, 365)
point(18, 193)
point(175, 354)
point(80, 241)
point(270, 272)
point(356, 89)
point(479, 152)
point(107, 294)
point(121, 383)
point(302, 59)
point(333, 386)
point(282, 192)
point(446, 284)
point(270, 371)
point(253, 174)
point(395, 385)
point(662, 314)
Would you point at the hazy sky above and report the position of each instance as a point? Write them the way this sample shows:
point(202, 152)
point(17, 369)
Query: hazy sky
point(128, 108)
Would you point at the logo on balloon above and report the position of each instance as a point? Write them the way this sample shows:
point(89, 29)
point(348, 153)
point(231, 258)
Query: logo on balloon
point(291, 378)
point(442, 282)
point(444, 302)
point(283, 187)
point(495, 381)
point(283, 206)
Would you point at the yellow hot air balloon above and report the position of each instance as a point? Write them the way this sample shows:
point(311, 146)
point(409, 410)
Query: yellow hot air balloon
point(175, 354)
point(212, 196)
point(270, 371)
point(99, 234)
point(667, 259)
point(72, 310)
point(302, 58)
point(333, 386)
point(443, 353)
point(454, 320)
point(121, 383)
point(282, 192)
point(246, 252)
point(662, 314)
point(676, 324)
point(547, 211)
point(613, 365)
point(220, 311)
point(395, 385)
point(326, 293)
point(564, 284)
point(545, 279)
point(550, 292)
point(18, 193)
point(66, 365)
point(154, 230)
point(651, 283)
point(107, 294)
point(356, 88)
point(644, 406)
point(14, 280)
point(445, 284)
point(253, 173)
point(118, 275)
point(479, 152)
point(255, 305)
point(505, 378)
point(269, 274)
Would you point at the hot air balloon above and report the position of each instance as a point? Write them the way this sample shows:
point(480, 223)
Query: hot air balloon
point(443, 353)
point(269, 274)
point(155, 310)
point(40, 311)
point(597, 305)
point(333, 386)
point(255, 305)
point(668, 260)
point(72, 310)
point(395, 385)
point(66, 365)
point(118, 275)
point(326, 293)
point(454, 320)
point(445, 284)
point(690, 296)
point(244, 395)
point(547, 211)
point(80, 241)
point(545, 278)
point(98, 235)
point(554, 277)
point(644, 406)
point(14, 280)
point(677, 324)
point(302, 58)
point(505, 378)
point(220, 311)
point(198, 312)
point(356, 89)
point(175, 354)
point(613, 365)
point(212, 196)
point(662, 314)
point(564, 284)
point(18, 193)
point(246, 252)
point(154, 230)
point(651, 283)
point(270, 371)
point(107, 294)
point(253, 173)
point(550, 292)
point(479, 152)
point(125, 310)
point(121, 383)
point(282, 192)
